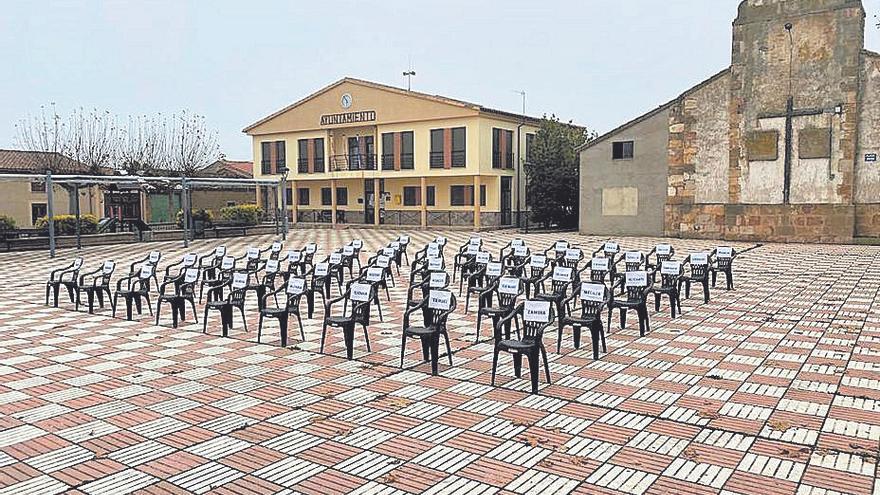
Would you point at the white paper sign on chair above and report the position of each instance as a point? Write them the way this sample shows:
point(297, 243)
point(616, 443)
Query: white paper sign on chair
point(311, 248)
point(517, 243)
point(473, 249)
point(537, 311)
point(322, 269)
point(561, 274)
point(388, 251)
point(433, 252)
point(435, 263)
point(437, 280)
point(296, 285)
point(395, 245)
point(561, 245)
point(108, 267)
point(276, 247)
point(293, 256)
point(374, 273)
point(520, 251)
point(227, 263)
point(253, 253)
point(360, 292)
point(670, 268)
point(383, 261)
point(440, 299)
point(191, 275)
point(146, 270)
point(271, 266)
point(593, 292)
point(483, 257)
point(663, 249)
point(632, 257)
point(538, 261)
point(494, 269)
point(724, 252)
point(440, 240)
point(611, 247)
point(573, 254)
point(220, 251)
point(637, 279)
point(190, 259)
point(348, 250)
point(336, 258)
point(599, 264)
point(154, 257)
point(699, 258)
point(404, 239)
point(239, 280)
point(508, 285)
point(475, 241)
point(357, 243)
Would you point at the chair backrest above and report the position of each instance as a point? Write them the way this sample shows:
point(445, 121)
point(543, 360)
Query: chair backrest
point(142, 283)
point(275, 250)
point(699, 263)
point(509, 289)
point(634, 284)
point(321, 274)
point(633, 261)
point(599, 268)
point(663, 252)
point(571, 257)
point(360, 294)
point(239, 283)
point(107, 270)
point(560, 279)
point(593, 296)
point(440, 304)
point(724, 257)
point(252, 256)
point(610, 248)
point(670, 272)
point(374, 274)
point(309, 251)
point(190, 277)
point(227, 263)
point(536, 316)
point(537, 265)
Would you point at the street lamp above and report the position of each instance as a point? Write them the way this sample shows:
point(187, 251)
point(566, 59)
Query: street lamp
point(284, 172)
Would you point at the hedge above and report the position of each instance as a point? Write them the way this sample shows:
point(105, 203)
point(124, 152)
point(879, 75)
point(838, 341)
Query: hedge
point(242, 214)
point(206, 216)
point(66, 224)
point(6, 223)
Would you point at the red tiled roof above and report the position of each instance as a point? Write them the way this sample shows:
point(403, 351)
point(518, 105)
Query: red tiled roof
point(234, 169)
point(36, 162)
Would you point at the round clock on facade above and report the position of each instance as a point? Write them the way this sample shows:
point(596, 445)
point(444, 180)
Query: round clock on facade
point(346, 100)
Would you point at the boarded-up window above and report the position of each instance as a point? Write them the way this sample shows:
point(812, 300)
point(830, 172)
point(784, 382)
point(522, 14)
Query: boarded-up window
point(814, 143)
point(620, 201)
point(762, 146)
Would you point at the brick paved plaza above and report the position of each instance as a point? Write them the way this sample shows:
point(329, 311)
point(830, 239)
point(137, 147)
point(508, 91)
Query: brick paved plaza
point(773, 388)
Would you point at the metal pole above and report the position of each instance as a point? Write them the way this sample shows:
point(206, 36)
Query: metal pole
point(77, 212)
point(184, 203)
point(50, 212)
point(275, 207)
point(284, 207)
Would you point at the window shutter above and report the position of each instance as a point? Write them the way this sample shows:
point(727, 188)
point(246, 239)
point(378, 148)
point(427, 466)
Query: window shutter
point(447, 148)
point(310, 151)
point(397, 140)
point(273, 159)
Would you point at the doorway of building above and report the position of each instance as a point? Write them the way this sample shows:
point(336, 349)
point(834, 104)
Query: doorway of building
point(506, 217)
point(370, 197)
point(361, 153)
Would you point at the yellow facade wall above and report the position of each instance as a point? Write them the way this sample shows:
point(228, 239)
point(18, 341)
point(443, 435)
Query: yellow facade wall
point(18, 198)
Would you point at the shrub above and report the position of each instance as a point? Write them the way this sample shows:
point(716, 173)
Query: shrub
point(66, 224)
point(6, 223)
point(242, 214)
point(206, 216)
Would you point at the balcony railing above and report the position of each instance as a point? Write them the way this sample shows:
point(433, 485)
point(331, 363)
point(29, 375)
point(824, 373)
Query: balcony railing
point(458, 158)
point(406, 161)
point(502, 160)
point(358, 161)
point(436, 159)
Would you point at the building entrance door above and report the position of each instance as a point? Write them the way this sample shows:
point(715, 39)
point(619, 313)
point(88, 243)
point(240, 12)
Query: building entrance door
point(370, 198)
point(506, 217)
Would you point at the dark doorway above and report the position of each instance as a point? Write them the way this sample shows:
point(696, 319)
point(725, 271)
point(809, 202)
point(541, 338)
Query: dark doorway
point(506, 217)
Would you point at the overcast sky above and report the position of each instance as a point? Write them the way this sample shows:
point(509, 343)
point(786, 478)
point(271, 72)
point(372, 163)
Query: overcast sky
point(596, 62)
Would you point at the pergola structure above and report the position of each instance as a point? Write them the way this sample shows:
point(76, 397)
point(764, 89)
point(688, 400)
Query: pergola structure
point(186, 184)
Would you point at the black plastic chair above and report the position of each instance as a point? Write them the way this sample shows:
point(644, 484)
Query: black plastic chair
point(670, 274)
point(135, 289)
point(175, 270)
point(610, 250)
point(318, 285)
point(516, 258)
point(533, 273)
point(593, 298)
point(374, 276)
point(465, 256)
point(556, 252)
point(217, 278)
point(571, 258)
point(661, 252)
point(235, 299)
point(633, 261)
point(404, 240)
point(560, 279)
point(536, 316)
point(100, 283)
point(721, 261)
point(153, 259)
point(506, 291)
point(209, 264)
point(482, 287)
point(177, 292)
point(634, 290)
point(360, 295)
point(435, 308)
point(696, 271)
point(57, 279)
point(292, 294)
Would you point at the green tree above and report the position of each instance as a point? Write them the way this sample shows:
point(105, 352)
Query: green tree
point(552, 172)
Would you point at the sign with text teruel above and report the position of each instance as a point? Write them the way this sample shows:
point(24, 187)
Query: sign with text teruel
point(435, 263)
point(670, 268)
point(437, 280)
point(593, 292)
point(227, 263)
point(637, 279)
point(322, 269)
point(374, 273)
point(699, 258)
point(493, 269)
point(253, 253)
point(561, 274)
point(663, 249)
point(296, 285)
point(508, 285)
point(383, 261)
point(360, 292)
point(538, 261)
point(239, 280)
point(724, 252)
point(599, 264)
point(191, 275)
point(537, 311)
point(440, 299)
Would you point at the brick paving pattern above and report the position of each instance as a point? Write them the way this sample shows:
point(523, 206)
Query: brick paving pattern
point(773, 388)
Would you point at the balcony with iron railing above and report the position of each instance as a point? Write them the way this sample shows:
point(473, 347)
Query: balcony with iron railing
point(406, 161)
point(437, 158)
point(502, 159)
point(352, 162)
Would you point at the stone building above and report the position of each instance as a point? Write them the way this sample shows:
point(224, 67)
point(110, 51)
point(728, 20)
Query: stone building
point(780, 146)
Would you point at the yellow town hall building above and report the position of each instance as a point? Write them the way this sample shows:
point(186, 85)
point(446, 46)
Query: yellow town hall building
point(359, 152)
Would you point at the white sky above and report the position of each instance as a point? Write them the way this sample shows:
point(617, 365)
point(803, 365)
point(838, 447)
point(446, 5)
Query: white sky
point(597, 62)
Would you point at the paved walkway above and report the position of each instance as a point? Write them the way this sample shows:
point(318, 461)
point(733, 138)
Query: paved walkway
point(771, 388)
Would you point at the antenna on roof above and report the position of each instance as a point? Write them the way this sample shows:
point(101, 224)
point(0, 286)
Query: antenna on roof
point(523, 94)
point(408, 74)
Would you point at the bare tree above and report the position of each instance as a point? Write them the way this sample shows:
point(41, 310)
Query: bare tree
point(92, 139)
point(192, 146)
point(45, 134)
point(143, 146)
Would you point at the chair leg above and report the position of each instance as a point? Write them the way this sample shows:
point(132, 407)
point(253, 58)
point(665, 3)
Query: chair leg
point(705, 291)
point(714, 276)
point(602, 335)
point(594, 337)
point(259, 327)
point(243, 319)
point(576, 336)
point(494, 363)
point(323, 336)
point(435, 352)
point(656, 301)
point(546, 363)
point(149, 304)
point(517, 364)
point(558, 338)
point(623, 317)
point(302, 332)
point(448, 347)
point(158, 308)
point(534, 368)
point(195, 314)
point(366, 338)
point(205, 321)
point(402, 347)
point(479, 318)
